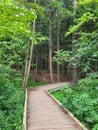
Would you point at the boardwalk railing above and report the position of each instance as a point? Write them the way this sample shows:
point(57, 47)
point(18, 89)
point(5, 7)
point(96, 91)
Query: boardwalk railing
point(25, 112)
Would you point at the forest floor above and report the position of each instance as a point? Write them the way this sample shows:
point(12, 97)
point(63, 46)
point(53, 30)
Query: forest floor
point(44, 114)
point(45, 77)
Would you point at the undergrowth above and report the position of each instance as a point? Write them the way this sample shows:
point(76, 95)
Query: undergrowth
point(11, 99)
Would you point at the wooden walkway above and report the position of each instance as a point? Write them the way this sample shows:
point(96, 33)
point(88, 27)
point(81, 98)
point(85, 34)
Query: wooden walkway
point(43, 113)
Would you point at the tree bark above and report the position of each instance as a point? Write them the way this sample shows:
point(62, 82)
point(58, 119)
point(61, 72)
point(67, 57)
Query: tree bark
point(58, 48)
point(74, 67)
point(28, 62)
point(50, 52)
point(36, 66)
point(26, 66)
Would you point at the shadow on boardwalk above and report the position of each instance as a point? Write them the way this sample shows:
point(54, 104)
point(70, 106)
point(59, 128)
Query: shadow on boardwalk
point(44, 114)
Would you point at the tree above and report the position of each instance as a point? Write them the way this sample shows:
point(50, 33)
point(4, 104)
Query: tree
point(28, 61)
point(50, 49)
point(58, 47)
point(85, 36)
point(28, 58)
point(21, 25)
point(61, 14)
point(74, 64)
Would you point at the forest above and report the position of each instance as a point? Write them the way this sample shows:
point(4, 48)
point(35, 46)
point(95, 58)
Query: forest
point(47, 41)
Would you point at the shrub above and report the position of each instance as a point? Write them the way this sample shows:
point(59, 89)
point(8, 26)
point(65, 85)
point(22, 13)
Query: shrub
point(11, 100)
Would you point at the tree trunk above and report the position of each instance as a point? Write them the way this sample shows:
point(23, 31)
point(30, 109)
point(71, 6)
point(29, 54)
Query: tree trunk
point(25, 73)
point(96, 66)
point(58, 48)
point(75, 76)
point(28, 62)
point(74, 69)
point(50, 52)
point(36, 67)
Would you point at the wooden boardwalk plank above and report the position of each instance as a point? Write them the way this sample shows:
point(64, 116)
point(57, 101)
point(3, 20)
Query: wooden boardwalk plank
point(44, 114)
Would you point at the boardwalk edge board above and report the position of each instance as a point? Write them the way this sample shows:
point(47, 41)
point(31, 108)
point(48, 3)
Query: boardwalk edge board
point(59, 87)
point(65, 110)
point(25, 112)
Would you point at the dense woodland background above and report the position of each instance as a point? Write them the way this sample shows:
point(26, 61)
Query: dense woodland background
point(49, 41)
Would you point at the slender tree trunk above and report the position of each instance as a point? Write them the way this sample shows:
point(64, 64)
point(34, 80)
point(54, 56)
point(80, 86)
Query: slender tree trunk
point(50, 52)
point(96, 66)
point(41, 64)
point(26, 66)
point(28, 62)
point(36, 66)
point(58, 48)
point(74, 69)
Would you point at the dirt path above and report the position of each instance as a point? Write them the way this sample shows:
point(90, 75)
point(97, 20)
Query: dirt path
point(45, 114)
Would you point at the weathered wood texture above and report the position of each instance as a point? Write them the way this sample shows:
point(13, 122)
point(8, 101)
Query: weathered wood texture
point(43, 113)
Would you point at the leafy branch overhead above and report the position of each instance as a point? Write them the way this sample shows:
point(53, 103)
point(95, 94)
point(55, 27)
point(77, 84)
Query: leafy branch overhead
point(61, 56)
point(80, 21)
point(14, 20)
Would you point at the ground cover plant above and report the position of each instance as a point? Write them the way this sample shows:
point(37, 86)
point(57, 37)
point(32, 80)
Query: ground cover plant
point(11, 99)
point(82, 100)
